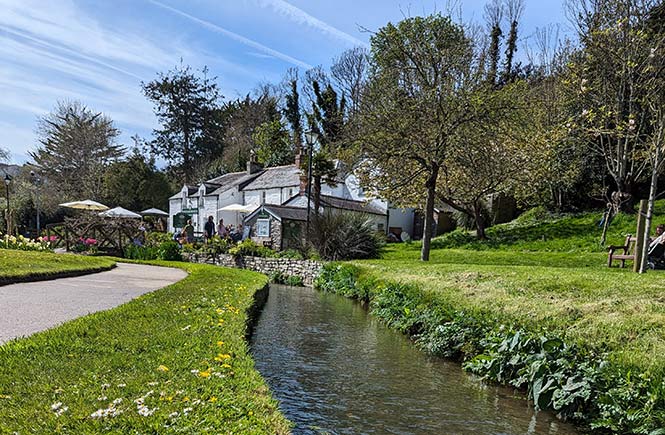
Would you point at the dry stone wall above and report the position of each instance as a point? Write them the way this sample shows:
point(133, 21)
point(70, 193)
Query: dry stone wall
point(306, 269)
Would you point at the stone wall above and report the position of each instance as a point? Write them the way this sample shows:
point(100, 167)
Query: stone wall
point(306, 269)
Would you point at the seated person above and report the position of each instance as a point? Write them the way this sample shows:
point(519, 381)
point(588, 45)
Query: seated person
point(657, 248)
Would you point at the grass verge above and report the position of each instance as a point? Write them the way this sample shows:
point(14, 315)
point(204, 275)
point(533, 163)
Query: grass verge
point(172, 361)
point(578, 379)
point(20, 266)
point(535, 307)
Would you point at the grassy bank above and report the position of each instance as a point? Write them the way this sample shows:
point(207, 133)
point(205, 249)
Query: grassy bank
point(22, 265)
point(172, 361)
point(534, 307)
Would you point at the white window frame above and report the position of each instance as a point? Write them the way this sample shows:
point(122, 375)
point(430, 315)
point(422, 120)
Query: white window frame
point(261, 225)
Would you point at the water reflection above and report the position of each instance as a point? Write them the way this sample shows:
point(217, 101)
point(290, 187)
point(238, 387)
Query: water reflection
point(336, 370)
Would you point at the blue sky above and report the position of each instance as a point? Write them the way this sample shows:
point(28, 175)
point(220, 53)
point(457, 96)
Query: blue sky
point(99, 51)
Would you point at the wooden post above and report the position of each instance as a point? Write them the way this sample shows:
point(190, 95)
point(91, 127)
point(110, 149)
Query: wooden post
point(639, 244)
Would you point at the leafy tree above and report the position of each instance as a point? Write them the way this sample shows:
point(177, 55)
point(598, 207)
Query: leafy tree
point(493, 16)
point(244, 116)
point(491, 155)
point(273, 144)
point(77, 146)
point(514, 9)
point(327, 120)
point(421, 93)
point(188, 108)
point(136, 184)
point(292, 111)
point(606, 81)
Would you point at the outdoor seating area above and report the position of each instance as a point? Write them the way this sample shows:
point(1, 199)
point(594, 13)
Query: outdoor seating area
point(94, 227)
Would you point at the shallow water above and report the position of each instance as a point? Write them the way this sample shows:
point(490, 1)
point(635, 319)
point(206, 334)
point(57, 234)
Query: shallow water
point(336, 370)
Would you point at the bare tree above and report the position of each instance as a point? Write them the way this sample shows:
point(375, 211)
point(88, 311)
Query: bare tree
point(350, 71)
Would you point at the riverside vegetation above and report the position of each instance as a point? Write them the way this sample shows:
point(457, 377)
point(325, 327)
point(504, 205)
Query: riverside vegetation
point(536, 308)
point(174, 360)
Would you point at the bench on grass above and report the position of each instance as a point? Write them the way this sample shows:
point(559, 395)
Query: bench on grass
point(623, 252)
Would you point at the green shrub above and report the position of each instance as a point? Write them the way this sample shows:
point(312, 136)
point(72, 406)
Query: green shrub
point(294, 280)
point(154, 239)
point(249, 248)
point(344, 236)
point(277, 277)
point(135, 252)
point(218, 245)
point(169, 251)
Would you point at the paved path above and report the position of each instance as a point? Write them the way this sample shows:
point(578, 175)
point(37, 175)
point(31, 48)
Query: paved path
point(27, 308)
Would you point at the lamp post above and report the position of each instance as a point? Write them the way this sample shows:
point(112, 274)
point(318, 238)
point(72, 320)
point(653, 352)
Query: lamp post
point(37, 182)
point(310, 137)
point(8, 180)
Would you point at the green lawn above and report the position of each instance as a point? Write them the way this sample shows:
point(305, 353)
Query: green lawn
point(23, 264)
point(552, 282)
point(172, 361)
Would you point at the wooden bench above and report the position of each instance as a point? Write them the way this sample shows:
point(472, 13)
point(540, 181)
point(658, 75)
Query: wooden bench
point(623, 252)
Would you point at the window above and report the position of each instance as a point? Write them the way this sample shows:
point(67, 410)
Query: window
point(263, 228)
point(264, 198)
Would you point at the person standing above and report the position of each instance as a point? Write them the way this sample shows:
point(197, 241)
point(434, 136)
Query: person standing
point(209, 228)
point(188, 232)
point(221, 229)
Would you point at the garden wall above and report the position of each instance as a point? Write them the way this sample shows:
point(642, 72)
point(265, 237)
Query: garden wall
point(308, 270)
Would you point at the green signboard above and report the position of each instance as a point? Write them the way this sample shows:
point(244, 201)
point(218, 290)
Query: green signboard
point(180, 219)
point(190, 210)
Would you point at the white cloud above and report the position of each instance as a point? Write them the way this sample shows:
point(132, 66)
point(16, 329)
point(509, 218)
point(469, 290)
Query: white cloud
point(301, 17)
point(236, 37)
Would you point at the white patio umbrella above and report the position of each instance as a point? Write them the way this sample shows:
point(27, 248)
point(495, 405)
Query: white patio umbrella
point(87, 204)
point(238, 208)
point(154, 212)
point(120, 212)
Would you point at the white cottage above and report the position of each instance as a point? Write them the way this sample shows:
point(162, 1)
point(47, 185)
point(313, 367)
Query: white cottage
point(281, 185)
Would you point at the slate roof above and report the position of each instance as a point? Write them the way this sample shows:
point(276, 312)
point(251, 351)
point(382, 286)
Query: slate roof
point(230, 180)
point(276, 177)
point(343, 204)
point(281, 212)
point(191, 191)
point(350, 204)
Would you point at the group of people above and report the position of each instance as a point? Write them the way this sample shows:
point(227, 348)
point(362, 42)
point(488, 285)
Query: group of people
point(234, 233)
point(211, 230)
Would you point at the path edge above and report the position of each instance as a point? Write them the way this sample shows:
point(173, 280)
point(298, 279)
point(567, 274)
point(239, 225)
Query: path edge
point(54, 275)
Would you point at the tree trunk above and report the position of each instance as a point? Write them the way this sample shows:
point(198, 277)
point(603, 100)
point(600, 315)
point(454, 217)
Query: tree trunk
point(429, 212)
point(480, 221)
point(649, 217)
point(317, 194)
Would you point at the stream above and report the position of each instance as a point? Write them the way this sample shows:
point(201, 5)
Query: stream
point(336, 370)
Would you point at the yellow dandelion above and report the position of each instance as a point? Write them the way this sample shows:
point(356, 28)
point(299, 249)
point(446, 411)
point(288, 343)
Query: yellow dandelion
point(205, 374)
point(220, 343)
point(213, 399)
point(226, 366)
point(163, 368)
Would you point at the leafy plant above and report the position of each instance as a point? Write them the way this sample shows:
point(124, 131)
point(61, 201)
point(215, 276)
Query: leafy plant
point(294, 280)
point(344, 236)
point(249, 248)
point(169, 251)
point(136, 252)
